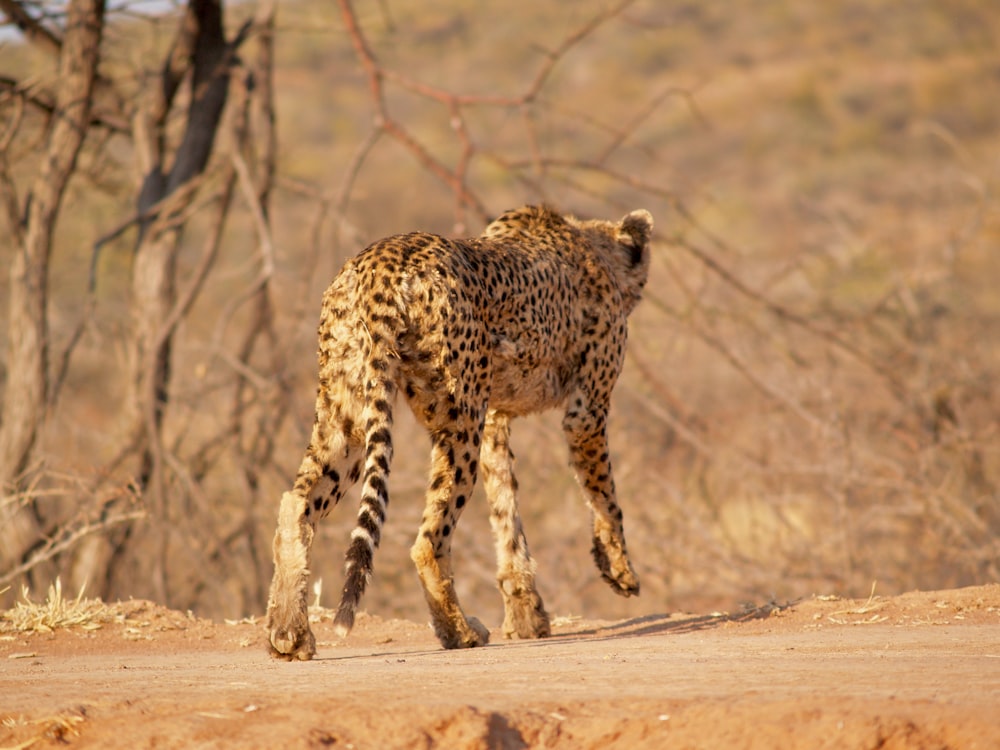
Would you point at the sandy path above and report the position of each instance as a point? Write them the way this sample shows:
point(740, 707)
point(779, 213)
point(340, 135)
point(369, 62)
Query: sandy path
point(917, 671)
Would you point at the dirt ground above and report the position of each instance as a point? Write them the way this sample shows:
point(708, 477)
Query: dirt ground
point(920, 670)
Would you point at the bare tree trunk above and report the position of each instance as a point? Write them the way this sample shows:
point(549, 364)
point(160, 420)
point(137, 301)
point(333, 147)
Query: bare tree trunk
point(202, 49)
point(200, 46)
point(25, 401)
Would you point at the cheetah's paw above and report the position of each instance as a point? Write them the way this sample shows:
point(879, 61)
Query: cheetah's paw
point(292, 643)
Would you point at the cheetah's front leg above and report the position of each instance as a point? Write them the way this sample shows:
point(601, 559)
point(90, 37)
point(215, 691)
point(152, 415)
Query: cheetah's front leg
point(524, 613)
point(586, 432)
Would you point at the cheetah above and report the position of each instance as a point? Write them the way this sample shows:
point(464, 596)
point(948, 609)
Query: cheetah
point(528, 316)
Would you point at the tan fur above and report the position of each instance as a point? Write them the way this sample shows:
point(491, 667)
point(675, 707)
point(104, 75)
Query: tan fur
point(529, 316)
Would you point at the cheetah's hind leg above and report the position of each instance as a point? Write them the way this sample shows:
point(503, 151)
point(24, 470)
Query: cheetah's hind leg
point(451, 485)
point(289, 635)
point(329, 468)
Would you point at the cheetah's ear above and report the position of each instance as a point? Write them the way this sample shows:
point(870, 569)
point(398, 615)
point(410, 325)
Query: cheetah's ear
point(636, 228)
point(634, 233)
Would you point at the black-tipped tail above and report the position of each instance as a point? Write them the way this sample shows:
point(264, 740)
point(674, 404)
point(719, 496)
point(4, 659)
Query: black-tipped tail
point(360, 559)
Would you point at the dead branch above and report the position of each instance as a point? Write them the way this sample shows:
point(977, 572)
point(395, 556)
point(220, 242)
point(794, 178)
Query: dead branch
point(44, 102)
point(555, 56)
point(66, 536)
point(32, 30)
point(456, 177)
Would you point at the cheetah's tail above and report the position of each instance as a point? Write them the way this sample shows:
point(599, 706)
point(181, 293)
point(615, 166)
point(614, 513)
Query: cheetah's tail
point(380, 395)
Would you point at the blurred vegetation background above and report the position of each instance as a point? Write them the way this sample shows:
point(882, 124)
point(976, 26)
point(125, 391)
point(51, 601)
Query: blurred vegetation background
point(809, 403)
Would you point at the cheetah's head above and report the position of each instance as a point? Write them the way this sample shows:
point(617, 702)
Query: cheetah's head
point(625, 246)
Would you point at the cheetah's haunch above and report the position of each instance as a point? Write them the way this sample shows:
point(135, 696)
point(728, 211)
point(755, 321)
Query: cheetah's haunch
point(529, 316)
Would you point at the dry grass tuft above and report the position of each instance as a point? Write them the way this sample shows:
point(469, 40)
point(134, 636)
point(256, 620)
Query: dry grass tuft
point(53, 729)
point(873, 604)
point(55, 612)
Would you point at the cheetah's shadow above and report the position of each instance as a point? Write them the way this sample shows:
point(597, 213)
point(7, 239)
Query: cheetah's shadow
point(662, 624)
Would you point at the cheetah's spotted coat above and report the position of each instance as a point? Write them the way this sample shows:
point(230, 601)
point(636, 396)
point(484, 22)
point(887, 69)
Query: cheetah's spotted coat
point(529, 316)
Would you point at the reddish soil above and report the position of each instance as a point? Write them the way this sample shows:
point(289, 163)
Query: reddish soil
point(920, 670)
